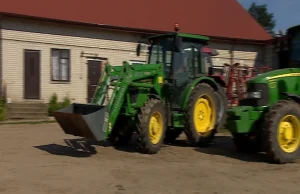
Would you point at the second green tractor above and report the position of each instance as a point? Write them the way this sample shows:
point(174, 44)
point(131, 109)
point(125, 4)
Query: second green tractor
point(268, 118)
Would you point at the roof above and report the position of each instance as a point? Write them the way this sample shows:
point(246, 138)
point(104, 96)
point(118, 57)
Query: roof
point(214, 18)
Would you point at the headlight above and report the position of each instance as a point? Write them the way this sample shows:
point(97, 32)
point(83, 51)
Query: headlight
point(257, 95)
point(254, 95)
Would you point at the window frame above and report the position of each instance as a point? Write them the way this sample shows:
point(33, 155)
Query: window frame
point(60, 65)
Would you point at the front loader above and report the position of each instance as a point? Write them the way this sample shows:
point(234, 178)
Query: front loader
point(268, 118)
point(158, 100)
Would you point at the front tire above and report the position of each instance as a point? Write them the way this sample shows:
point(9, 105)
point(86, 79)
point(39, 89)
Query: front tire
point(282, 132)
point(200, 115)
point(152, 124)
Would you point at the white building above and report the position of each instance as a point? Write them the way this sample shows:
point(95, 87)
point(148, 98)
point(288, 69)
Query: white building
point(46, 49)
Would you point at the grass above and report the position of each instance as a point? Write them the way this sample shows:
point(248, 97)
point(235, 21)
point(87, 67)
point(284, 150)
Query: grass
point(2, 109)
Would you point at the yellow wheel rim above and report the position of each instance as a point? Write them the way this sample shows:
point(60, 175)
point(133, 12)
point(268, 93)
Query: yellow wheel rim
point(204, 114)
point(156, 127)
point(289, 133)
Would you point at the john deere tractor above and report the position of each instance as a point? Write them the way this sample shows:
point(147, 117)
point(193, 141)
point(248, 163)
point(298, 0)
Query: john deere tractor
point(159, 100)
point(268, 119)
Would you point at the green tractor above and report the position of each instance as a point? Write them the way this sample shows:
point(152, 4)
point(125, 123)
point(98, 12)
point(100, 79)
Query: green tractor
point(268, 118)
point(158, 101)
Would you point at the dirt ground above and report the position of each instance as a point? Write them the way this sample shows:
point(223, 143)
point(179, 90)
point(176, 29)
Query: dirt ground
point(37, 159)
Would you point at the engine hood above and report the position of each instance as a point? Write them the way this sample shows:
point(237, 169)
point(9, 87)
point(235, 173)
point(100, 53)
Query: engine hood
point(274, 75)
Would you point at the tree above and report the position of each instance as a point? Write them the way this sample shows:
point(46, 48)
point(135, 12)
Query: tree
point(263, 17)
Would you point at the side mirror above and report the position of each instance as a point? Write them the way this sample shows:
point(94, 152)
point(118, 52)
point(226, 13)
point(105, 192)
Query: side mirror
point(138, 49)
point(177, 44)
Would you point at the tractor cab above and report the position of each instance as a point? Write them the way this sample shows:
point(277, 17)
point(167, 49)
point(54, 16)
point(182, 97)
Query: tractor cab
point(185, 57)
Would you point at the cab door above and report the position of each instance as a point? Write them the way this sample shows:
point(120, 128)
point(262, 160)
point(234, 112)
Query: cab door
point(186, 67)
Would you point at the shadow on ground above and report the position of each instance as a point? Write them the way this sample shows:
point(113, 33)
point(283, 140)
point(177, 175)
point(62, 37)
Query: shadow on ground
point(82, 147)
point(223, 146)
point(132, 147)
point(75, 148)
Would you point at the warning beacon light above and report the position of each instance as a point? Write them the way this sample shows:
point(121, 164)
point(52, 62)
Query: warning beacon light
point(176, 27)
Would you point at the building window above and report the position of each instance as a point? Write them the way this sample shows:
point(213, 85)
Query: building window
point(60, 64)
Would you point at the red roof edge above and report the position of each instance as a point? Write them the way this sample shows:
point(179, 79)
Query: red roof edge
point(127, 29)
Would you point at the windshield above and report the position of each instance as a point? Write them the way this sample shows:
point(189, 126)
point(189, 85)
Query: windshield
point(186, 63)
point(192, 58)
point(161, 52)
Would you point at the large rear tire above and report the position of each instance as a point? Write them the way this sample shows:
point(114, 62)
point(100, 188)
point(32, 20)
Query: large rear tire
point(222, 107)
point(152, 125)
point(282, 132)
point(201, 115)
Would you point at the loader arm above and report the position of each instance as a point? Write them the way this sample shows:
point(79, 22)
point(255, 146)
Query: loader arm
point(97, 120)
point(129, 76)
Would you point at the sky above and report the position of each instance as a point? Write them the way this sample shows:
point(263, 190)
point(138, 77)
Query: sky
point(286, 12)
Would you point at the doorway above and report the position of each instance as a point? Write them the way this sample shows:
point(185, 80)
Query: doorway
point(31, 74)
point(94, 73)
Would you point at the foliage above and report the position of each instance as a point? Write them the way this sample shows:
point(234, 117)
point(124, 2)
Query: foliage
point(263, 17)
point(2, 109)
point(54, 105)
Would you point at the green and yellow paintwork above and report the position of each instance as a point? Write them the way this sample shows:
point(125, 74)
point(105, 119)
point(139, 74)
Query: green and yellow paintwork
point(149, 79)
point(204, 115)
point(245, 119)
point(133, 85)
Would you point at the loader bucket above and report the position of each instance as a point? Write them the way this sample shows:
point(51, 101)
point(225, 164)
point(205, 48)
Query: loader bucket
point(83, 120)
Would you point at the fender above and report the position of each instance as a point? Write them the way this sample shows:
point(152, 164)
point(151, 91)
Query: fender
point(156, 97)
point(191, 86)
point(219, 79)
point(294, 97)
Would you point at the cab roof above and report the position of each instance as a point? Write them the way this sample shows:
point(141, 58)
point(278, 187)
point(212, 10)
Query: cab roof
point(183, 35)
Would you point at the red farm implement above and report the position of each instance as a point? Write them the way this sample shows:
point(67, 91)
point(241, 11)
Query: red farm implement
point(235, 77)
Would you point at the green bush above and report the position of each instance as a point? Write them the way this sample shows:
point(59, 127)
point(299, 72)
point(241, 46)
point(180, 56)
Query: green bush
point(66, 102)
point(2, 109)
point(54, 105)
